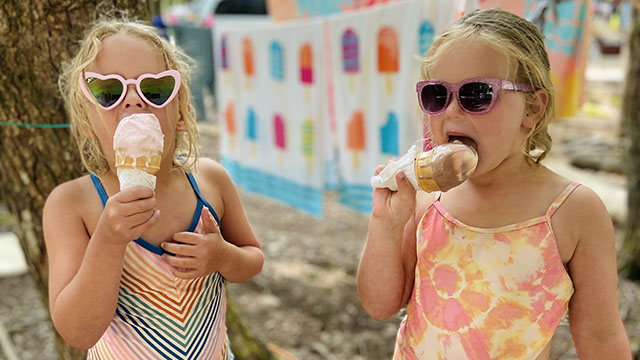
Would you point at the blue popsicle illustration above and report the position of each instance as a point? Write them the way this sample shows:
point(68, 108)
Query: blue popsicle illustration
point(276, 61)
point(426, 36)
point(389, 135)
point(252, 129)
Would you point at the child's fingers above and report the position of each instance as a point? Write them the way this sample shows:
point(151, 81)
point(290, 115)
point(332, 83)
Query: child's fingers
point(186, 237)
point(179, 249)
point(404, 185)
point(185, 262)
point(185, 274)
point(378, 169)
point(209, 224)
point(142, 222)
point(134, 193)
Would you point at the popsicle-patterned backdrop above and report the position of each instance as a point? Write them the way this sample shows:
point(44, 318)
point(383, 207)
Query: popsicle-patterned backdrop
point(308, 96)
point(273, 109)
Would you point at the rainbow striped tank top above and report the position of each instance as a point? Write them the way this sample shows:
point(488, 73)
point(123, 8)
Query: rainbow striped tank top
point(159, 316)
point(484, 293)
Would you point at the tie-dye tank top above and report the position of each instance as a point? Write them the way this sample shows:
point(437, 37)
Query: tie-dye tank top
point(484, 293)
point(160, 316)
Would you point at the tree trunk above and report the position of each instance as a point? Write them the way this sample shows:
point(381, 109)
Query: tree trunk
point(631, 116)
point(35, 38)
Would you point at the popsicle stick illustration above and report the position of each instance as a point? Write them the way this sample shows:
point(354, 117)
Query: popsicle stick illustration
point(427, 32)
point(252, 129)
point(276, 63)
point(306, 70)
point(388, 54)
point(307, 143)
point(224, 60)
point(350, 62)
point(389, 136)
point(247, 56)
point(279, 133)
point(230, 123)
point(355, 136)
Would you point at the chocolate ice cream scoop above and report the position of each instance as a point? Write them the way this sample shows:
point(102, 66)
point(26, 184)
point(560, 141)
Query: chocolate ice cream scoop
point(445, 166)
point(439, 169)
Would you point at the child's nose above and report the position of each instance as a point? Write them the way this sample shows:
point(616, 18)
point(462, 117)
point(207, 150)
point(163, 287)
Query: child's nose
point(132, 98)
point(453, 108)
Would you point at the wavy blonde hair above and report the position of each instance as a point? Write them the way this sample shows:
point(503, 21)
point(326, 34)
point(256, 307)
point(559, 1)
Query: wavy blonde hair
point(523, 45)
point(93, 158)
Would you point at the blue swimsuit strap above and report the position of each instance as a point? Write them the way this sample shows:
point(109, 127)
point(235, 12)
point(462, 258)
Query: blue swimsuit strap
point(196, 216)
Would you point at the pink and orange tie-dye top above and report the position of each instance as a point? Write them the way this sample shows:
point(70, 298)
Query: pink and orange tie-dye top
point(484, 293)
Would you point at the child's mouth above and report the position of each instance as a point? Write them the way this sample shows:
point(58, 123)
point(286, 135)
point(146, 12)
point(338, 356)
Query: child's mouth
point(465, 140)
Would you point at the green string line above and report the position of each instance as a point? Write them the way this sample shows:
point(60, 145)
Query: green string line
point(55, 126)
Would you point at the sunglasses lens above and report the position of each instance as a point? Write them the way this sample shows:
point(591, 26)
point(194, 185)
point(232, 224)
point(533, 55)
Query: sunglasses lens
point(159, 90)
point(433, 97)
point(475, 96)
point(107, 92)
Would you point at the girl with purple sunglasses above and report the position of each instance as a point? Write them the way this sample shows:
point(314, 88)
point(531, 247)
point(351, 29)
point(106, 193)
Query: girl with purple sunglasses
point(489, 269)
point(140, 272)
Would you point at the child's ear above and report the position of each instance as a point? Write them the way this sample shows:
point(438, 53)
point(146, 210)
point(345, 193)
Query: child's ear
point(535, 109)
point(181, 126)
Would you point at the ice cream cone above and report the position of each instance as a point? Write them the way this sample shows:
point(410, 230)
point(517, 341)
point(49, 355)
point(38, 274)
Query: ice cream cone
point(138, 143)
point(439, 169)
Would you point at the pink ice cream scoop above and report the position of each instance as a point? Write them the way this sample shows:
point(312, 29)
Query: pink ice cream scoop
point(138, 144)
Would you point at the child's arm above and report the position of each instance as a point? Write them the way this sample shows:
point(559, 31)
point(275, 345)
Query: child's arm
point(84, 272)
point(387, 266)
point(594, 318)
point(235, 253)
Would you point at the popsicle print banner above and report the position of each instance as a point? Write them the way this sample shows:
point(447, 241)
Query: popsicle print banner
point(566, 30)
point(375, 62)
point(271, 109)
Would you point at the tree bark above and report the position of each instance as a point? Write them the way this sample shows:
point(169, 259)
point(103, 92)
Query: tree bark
point(631, 117)
point(35, 38)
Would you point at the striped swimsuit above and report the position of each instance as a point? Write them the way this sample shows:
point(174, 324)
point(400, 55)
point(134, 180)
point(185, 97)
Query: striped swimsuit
point(159, 316)
point(484, 293)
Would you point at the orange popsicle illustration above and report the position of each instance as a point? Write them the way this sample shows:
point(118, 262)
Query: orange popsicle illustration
point(230, 122)
point(247, 55)
point(306, 70)
point(307, 143)
point(388, 53)
point(355, 136)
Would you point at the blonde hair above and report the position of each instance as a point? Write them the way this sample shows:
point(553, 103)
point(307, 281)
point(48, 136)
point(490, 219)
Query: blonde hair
point(93, 158)
point(523, 45)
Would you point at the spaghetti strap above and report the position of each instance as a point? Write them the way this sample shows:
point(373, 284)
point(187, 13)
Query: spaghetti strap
point(194, 185)
point(561, 198)
point(100, 189)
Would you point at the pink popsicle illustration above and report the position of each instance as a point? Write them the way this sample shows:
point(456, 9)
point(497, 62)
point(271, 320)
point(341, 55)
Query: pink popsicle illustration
point(350, 62)
point(230, 122)
point(306, 69)
point(388, 53)
point(279, 133)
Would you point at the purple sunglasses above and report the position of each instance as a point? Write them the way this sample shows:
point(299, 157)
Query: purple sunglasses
point(108, 91)
point(475, 96)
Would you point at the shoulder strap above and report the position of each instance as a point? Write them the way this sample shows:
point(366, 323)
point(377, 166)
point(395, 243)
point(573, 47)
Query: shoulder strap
point(100, 189)
point(561, 198)
point(104, 197)
point(194, 185)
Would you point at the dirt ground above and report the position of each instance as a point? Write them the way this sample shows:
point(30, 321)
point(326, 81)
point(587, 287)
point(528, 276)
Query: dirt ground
point(305, 301)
